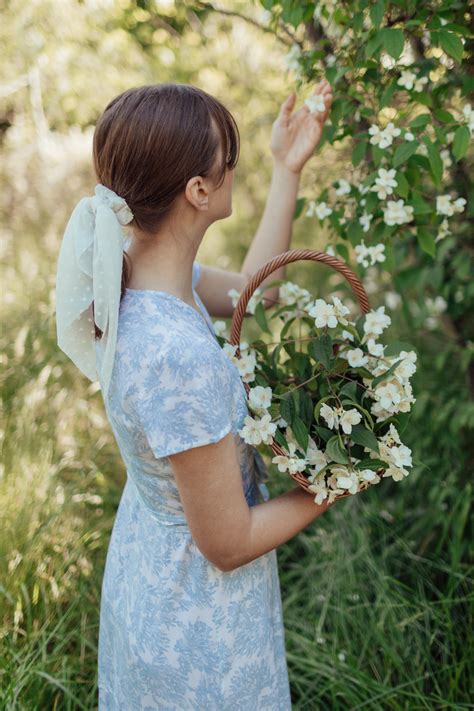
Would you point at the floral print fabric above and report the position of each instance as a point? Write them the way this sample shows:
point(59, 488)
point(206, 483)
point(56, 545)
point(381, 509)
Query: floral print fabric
point(176, 633)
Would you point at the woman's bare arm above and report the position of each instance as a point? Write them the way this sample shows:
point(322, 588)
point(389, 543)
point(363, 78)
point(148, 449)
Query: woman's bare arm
point(227, 531)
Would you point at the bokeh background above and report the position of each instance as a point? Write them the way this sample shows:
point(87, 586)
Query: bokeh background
point(377, 593)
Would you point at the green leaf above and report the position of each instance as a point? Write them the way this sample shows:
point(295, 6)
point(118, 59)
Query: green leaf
point(288, 408)
point(426, 241)
point(436, 164)
point(393, 41)
point(402, 185)
point(358, 152)
point(298, 428)
point(373, 45)
point(335, 452)
point(373, 464)
point(361, 435)
point(280, 438)
point(384, 376)
point(300, 203)
point(444, 116)
point(461, 141)
point(451, 44)
point(377, 12)
point(286, 327)
point(321, 350)
point(261, 318)
point(420, 206)
point(421, 121)
point(323, 432)
point(395, 347)
point(403, 153)
point(349, 390)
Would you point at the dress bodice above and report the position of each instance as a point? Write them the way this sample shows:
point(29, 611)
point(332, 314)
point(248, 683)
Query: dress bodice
point(173, 387)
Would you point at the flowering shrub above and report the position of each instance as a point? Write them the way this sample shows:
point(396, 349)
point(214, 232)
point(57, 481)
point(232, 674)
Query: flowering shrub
point(328, 392)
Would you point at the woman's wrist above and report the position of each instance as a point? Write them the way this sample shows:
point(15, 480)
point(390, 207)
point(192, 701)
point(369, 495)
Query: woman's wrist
point(284, 170)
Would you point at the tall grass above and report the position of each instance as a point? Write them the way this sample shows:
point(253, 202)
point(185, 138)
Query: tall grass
point(377, 593)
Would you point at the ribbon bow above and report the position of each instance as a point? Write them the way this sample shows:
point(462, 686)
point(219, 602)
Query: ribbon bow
point(90, 269)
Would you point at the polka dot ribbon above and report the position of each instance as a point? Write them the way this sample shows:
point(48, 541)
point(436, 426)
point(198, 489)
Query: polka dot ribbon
point(89, 269)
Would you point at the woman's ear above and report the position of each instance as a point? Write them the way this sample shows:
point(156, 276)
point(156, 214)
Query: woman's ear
point(197, 193)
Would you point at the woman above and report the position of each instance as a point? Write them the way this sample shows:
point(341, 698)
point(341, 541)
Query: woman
point(191, 614)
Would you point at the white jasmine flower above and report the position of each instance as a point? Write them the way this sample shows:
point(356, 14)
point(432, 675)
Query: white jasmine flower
point(291, 294)
point(350, 482)
point(260, 398)
point(322, 210)
point(255, 431)
point(363, 188)
point(422, 150)
point(362, 252)
point(384, 138)
point(365, 221)
point(469, 117)
point(292, 57)
point(407, 79)
point(443, 230)
point(384, 183)
point(409, 136)
point(392, 299)
point(446, 158)
point(388, 394)
point(316, 458)
point(436, 306)
point(315, 104)
point(252, 302)
point(319, 488)
point(290, 462)
point(347, 335)
point(377, 253)
point(397, 213)
point(444, 206)
point(375, 134)
point(229, 350)
point(330, 250)
point(368, 475)
point(420, 82)
point(330, 415)
point(350, 418)
point(356, 358)
point(376, 321)
point(246, 365)
point(375, 349)
point(340, 310)
point(220, 328)
point(324, 314)
point(319, 209)
point(344, 187)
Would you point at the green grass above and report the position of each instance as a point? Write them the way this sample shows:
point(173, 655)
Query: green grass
point(377, 593)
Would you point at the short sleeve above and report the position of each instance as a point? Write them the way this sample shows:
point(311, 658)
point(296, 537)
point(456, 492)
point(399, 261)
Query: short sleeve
point(186, 401)
point(196, 273)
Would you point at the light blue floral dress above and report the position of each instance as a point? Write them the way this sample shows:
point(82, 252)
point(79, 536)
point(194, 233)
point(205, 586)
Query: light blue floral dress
point(176, 633)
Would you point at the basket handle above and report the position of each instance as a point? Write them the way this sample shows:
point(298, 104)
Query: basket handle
point(293, 255)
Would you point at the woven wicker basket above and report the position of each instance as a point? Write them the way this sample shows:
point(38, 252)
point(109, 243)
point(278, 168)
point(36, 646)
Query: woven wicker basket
point(272, 265)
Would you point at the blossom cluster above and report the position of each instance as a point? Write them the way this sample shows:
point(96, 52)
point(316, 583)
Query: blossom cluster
point(395, 211)
point(390, 396)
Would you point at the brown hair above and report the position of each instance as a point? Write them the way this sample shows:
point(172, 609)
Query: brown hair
point(150, 140)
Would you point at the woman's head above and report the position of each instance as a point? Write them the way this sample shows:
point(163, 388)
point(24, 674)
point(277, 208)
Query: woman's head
point(151, 140)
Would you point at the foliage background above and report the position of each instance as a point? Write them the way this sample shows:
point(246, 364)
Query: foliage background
point(377, 594)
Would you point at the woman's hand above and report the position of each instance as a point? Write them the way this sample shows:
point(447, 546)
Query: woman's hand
point(294, 138)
